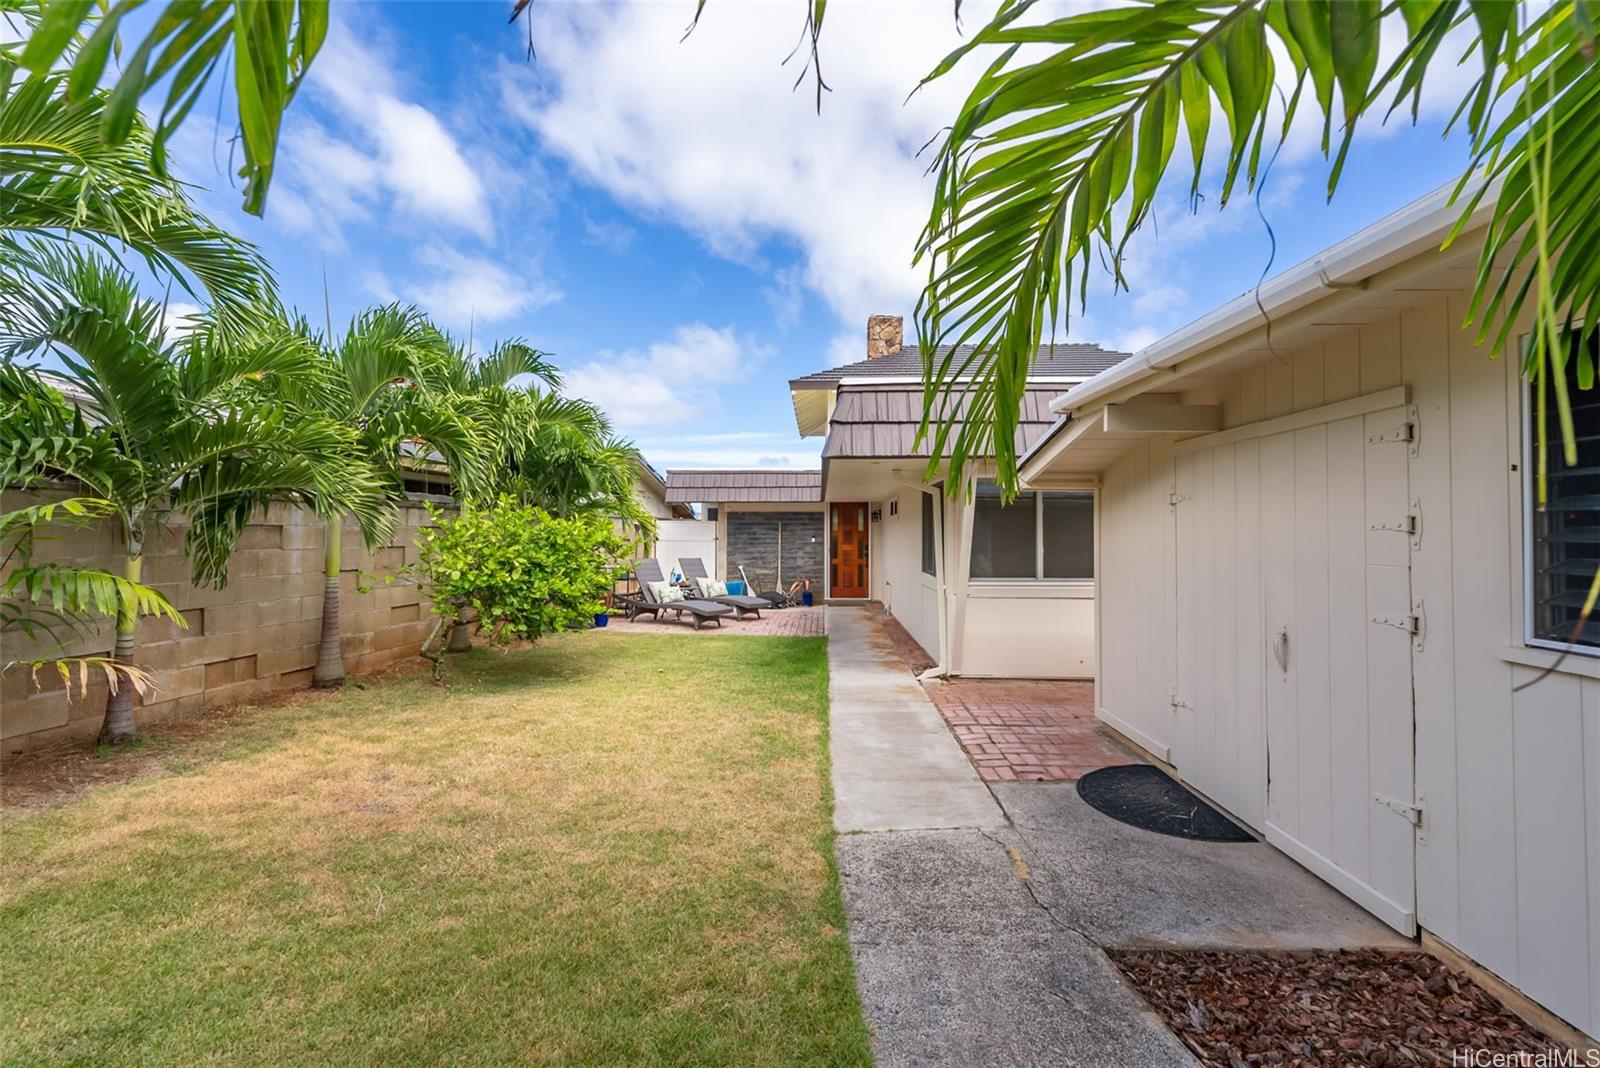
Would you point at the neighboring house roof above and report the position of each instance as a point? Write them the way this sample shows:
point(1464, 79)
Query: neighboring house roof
point(880, 422)
point(1061, 361)
point(758, 486)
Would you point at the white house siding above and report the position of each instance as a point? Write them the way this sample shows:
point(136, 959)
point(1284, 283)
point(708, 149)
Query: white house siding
point(1508, 857)
point(1133, 688)
point(895, 565)
point(1021, 631)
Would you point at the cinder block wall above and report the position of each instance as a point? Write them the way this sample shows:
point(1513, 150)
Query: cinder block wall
point(256, 635)
point(753, 542)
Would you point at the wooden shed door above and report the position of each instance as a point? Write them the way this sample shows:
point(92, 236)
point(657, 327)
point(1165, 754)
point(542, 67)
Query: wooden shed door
point(1294, 698)
point(847, 543)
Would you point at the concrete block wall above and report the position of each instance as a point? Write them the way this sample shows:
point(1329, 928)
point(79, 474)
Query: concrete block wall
point(254, 636)
point(753, 542)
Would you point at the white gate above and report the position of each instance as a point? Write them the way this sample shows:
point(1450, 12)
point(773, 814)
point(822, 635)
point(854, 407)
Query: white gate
point(1293, 701)
point(678, 539)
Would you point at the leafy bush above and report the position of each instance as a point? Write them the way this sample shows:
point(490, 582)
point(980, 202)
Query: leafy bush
point(525, 572)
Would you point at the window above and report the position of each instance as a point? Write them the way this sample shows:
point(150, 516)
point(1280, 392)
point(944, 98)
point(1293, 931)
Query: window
point(1564, 538)
point(1047, 535)
point(928, 563)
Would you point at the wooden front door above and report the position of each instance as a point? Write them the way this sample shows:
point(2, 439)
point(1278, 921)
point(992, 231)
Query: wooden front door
point(847, 547)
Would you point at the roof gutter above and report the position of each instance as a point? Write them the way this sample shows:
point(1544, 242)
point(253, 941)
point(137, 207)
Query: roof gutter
point(1416, 228)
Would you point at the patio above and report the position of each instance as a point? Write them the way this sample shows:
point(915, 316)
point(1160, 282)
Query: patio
point(775, 623)
point(1027, 730)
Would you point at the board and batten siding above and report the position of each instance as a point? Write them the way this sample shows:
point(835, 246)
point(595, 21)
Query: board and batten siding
point(1508, 855)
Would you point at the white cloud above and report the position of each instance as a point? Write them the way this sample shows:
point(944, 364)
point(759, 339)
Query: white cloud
point(461, 290)
point(847, 348)
point(372, 149)
point(610, 234)
point(179, 319)
point(668, 380)
point(787, 296)
point(737, 157)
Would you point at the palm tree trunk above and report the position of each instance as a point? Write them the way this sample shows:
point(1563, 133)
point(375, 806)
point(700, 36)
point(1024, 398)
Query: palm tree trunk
point(118, 726)
point(330, 654)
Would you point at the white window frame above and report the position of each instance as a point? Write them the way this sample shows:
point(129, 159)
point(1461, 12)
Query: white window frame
point(1529, 584)
point(1038, 578)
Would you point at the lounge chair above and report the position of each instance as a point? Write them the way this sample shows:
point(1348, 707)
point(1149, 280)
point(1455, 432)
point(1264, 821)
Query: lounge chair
point(649, 572)
point(694, 569)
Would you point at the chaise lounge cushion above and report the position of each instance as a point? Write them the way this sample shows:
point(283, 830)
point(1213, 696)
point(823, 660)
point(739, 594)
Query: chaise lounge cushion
point(666, 592)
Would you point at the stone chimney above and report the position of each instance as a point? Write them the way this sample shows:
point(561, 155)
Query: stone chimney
point(886, 335)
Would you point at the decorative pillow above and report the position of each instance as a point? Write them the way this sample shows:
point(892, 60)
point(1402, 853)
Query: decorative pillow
point(713, 588)
point(666, 592)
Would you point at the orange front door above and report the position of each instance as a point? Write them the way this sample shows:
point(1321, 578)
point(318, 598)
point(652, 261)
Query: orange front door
point(847, 546)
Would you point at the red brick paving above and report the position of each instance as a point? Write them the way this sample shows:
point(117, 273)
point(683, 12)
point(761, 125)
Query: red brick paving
point(1018, 730)
point(778, 622)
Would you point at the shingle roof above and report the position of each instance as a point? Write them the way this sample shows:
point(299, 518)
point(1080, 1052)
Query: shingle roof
point(798, 487)
point(1064, 361)
point(880, 422)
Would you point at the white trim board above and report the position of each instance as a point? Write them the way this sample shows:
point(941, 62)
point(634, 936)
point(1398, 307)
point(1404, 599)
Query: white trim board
point(1367, 403)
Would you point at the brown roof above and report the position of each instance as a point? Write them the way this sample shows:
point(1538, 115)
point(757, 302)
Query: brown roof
point(880, 422)
point(1061, 361)
point(797, 487)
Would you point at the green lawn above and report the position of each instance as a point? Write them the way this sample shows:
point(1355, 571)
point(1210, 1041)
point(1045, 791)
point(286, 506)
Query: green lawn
point(607, 849)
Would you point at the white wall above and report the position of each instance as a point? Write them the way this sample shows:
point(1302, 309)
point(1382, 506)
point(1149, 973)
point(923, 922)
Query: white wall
point(896, 566)
point(1000, 630)
point(1041, 630)
point(1133, 686)
point(1508, 857)
point(678, 538)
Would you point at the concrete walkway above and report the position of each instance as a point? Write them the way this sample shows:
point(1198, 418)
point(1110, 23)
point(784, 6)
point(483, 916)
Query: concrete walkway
point(895, 764)
point(979, 921)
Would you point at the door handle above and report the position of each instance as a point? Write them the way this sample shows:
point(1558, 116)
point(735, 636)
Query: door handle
point(1280, 650)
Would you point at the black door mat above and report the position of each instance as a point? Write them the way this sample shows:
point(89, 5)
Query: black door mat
point(1142, 796)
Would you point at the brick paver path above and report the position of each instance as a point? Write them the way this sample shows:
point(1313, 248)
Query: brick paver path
point(778, 622)
point(1027, 730)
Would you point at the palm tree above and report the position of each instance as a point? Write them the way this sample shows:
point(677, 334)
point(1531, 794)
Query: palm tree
point(59, 178)
point(1057, 152)
point(378, 382)
point(50, 603)
point(575, 465)
point(273, 45)
point(162, 429)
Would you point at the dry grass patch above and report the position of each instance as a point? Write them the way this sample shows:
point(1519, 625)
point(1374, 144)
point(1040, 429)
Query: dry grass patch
point(592, 852)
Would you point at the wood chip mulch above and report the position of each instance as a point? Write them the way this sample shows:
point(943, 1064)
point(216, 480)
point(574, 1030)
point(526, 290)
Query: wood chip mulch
point(1348, 1007)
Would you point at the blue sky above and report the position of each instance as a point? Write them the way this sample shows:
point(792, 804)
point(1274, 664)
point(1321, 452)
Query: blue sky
point(676, 225)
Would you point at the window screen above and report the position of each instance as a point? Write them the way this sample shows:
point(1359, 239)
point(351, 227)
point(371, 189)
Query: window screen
point(1566, 533)
point(927, 535)
point(1068, 535)
point(1003, 536)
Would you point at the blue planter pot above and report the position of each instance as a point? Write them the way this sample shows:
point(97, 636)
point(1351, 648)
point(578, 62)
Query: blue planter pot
point(806, 599)
point(602, 619)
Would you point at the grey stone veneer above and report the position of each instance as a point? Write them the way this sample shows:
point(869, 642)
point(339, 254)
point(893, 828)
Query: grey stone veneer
point(753, 543)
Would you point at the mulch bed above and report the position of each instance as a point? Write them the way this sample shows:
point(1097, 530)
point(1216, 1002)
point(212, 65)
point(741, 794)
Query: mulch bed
point(1346, 1007)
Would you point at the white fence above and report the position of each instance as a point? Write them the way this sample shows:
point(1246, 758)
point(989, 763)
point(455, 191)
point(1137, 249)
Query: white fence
point(680, 538)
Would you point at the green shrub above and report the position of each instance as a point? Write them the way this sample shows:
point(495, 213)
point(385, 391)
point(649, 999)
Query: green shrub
point(525, 572)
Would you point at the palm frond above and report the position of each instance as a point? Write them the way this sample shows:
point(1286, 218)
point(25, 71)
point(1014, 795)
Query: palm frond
point(1058, 151)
